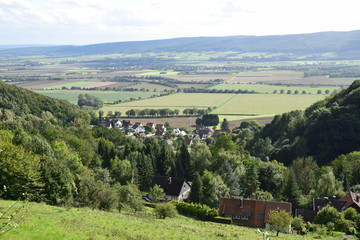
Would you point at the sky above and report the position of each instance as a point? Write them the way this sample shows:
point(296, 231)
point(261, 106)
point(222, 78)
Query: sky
point(80, 22)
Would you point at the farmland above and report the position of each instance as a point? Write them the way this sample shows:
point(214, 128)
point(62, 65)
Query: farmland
point(138, 76)
point(240, 105)
point(106, 96)
point(263, 88)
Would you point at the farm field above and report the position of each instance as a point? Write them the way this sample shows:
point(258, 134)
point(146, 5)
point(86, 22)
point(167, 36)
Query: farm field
point(58, 84)
point(106, 96)
point(238, 106)
point(262, 88)
point(48, 222)
point(317, 80)
point(265, 105)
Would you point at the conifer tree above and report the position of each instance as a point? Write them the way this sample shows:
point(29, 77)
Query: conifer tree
point(225, 125)
point(291, 192)
point(196, 193)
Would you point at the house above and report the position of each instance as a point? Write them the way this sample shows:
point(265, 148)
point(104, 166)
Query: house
point(126, 124)
point(118, 124)
point(352, 200)
point(178, 132)
point(106, 124)
point(138, 123)
point(136, 128)
point(160, 127)
point(349, 200)
point(251, 213)
point(205, 133)
point(151, 125)
point(174, 188)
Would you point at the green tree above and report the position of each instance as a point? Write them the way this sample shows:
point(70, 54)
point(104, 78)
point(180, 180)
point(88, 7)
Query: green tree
point(196, 193)
point(20, 172)
point(225, 125)
point(291, 192)
point(328, 185)
point(251, 183)
point(305, 170)
point(156, 193)
point(279, 220)
point(129, 197)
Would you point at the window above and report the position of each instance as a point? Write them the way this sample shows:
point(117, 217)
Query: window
point(236, 217)
point(228, 216)
point(261, 217)
point(244, 218)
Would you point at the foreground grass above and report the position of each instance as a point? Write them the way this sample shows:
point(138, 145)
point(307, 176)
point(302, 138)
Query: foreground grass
point(48, 222)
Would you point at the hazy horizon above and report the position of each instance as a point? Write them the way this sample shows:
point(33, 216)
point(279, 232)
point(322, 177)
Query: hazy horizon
point(82, 22)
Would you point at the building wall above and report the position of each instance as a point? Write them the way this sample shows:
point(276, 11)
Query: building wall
point(246, 212)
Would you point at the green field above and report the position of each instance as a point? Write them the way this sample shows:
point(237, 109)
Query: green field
point(106, 96)
point(240, 105)
point(72, 84)
point(49, 223)
point(264, 105)
point(262, 88)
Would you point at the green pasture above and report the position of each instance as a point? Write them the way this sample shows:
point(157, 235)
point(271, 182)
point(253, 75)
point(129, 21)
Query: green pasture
point(265, 105)
point(106, 96)
point(263, 88)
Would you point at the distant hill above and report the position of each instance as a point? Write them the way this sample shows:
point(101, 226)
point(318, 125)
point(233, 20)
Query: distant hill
point(344, 45)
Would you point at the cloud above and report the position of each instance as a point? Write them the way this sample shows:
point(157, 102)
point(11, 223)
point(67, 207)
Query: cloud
point(59, 21)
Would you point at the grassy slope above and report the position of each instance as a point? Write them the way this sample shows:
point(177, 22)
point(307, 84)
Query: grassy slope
point(48, 222)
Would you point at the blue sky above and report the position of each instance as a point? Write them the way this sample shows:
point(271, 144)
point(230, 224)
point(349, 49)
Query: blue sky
point(94, 21)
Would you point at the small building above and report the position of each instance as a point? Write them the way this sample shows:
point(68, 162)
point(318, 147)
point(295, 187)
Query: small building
point(118, 124)
point(251, 213)
point(174, 188)
point(127, 124)
point(349, 200)
point(160, 127)
point(352, 200)
point(151, 125)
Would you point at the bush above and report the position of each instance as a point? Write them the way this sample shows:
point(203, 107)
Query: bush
point(164, 210)
point(202, 212)
point(326, 215)
point(298, 225)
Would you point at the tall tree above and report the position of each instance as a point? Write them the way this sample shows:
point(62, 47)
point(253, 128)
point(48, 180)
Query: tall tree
point(196, 193)
point(183, 164)
point(225, 125)
point(291, 192)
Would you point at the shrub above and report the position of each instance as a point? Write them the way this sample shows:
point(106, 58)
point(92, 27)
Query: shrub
point(202, 212)
point(326, 215)
point(298, 225)
point(164, 210)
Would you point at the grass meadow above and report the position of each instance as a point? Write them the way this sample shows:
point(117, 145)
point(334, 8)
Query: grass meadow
point(106, 96)
point(48, 222)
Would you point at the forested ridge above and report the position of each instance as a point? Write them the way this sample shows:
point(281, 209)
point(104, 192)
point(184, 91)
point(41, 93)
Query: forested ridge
point(49, 152)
